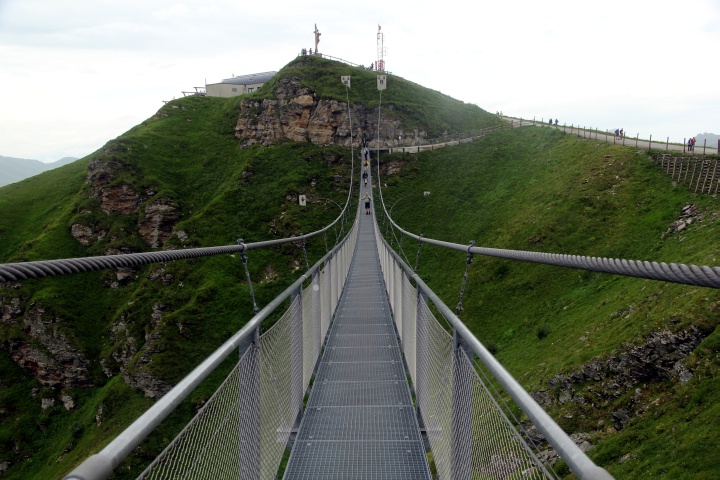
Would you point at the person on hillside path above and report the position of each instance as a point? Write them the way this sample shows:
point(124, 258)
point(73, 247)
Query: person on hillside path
point(622, 132)
point(365, 178)
point(617, 133)
point(367, 203)
point(690, 145)
point(693, 146)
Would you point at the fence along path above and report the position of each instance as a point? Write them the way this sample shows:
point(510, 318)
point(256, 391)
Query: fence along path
point(360, 422)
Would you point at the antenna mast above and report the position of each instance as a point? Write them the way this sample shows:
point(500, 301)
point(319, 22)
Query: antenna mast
point(380, 63)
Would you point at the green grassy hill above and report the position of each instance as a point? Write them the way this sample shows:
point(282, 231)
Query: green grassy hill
point(414, 105)
point(541, 190)
point(180, 179)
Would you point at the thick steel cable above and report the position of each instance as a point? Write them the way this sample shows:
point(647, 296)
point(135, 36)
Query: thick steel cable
point(699, 276)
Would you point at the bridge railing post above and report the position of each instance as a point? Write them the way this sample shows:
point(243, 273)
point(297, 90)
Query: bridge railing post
point(324, 300)
point(249, 415)
point(397, 294)
point(333, 285)
point(296, 351)
point(312, 328)
point(409, 325)
point(461, 429)
point(421, 353)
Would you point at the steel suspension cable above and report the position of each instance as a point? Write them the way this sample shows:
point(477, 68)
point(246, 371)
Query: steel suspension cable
point(700, 276)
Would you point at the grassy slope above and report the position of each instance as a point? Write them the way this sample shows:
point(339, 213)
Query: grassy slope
point(535, 189)
point(186, 154)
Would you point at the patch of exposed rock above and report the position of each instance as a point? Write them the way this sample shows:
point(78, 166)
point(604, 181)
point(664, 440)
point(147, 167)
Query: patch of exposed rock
point(137, 373)
point(660, 357)
point(688, 216)
point(160, 275)
point(119, 199)
point(9, 310)
point(86, 235)
point(125, 347)
point(116, 197)
point(102, 171)
point(160, 219)
point(48, 353)
point(297, 114)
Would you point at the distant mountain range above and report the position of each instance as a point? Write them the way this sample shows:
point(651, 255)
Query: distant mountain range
point(15, 169)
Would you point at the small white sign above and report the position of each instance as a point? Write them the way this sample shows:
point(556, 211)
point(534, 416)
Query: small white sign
point(345, 80)
point(381, 82)
point(302, 200)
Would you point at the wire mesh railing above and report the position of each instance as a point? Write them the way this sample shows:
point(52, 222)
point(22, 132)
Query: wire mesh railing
point(469, 433)
point(243, 429)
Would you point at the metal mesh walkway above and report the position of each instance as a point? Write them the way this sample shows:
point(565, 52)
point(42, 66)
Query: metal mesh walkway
point(360, 421)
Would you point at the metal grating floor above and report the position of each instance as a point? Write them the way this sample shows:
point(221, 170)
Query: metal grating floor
point(360, 422)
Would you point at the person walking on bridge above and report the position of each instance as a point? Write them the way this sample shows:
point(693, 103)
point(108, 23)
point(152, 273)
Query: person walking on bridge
point(366, 198)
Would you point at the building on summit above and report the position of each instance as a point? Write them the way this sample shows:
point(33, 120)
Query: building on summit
point(231, 87)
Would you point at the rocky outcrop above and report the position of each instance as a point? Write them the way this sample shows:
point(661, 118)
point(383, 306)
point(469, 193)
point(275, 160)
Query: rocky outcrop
point(160, 219)
point(659, 358)
point(297, 114)
point(688, 216)
point(48, 353)
point(86, 235)
point(135, 362)
point(117, 197)
point(82, 234)
point(102, 173)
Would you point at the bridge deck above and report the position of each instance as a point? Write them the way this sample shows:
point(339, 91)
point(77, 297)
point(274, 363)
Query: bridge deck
point(360, 421)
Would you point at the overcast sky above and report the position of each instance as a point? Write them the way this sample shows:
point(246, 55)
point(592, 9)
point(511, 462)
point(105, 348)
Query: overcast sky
point(77, 73)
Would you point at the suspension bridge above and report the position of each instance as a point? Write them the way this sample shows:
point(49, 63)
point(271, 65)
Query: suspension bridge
point(362, 375)
point(389, 371)
point(386, 379)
